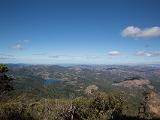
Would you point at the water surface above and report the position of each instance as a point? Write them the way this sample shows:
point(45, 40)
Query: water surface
point(51, 81)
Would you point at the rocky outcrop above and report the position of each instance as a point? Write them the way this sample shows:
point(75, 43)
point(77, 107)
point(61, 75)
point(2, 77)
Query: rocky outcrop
point(150, 105)
point(154, 103)
point(91, 89)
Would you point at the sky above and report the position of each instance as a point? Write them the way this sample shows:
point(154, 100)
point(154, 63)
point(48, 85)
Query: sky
point(80, 31)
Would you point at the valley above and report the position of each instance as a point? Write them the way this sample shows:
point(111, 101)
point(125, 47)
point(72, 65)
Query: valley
point(75, 79)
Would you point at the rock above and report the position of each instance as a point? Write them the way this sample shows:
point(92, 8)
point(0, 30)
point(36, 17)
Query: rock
point(91, 89)
point(154, 103)
point(150, 105)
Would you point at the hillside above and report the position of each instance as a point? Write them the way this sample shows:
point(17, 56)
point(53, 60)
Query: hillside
point(44, 92)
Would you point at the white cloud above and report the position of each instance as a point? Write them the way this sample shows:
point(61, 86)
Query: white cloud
point(114, 53)
point(143, 53)
point(21, 44)
point(17, 47)
point(136, 32)
point(130, 31)
point(148, 54)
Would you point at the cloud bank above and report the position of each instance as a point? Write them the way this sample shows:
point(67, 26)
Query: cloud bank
point(6, 56)
point(136, 32)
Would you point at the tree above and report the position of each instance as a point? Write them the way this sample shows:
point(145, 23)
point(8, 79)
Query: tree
point(3, 68)
point(4, 79)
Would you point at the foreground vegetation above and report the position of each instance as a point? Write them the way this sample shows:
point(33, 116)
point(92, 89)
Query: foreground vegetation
point(99, 106)
point(95, 106)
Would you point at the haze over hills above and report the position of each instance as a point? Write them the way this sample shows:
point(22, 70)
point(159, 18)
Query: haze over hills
point(109, 74)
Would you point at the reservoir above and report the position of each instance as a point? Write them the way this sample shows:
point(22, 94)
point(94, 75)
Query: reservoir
point(51, 81)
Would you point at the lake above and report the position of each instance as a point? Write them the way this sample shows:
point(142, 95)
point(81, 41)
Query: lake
point(51, 81)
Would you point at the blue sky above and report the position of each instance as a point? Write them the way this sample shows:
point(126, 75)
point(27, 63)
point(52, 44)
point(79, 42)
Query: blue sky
point(79, 31)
